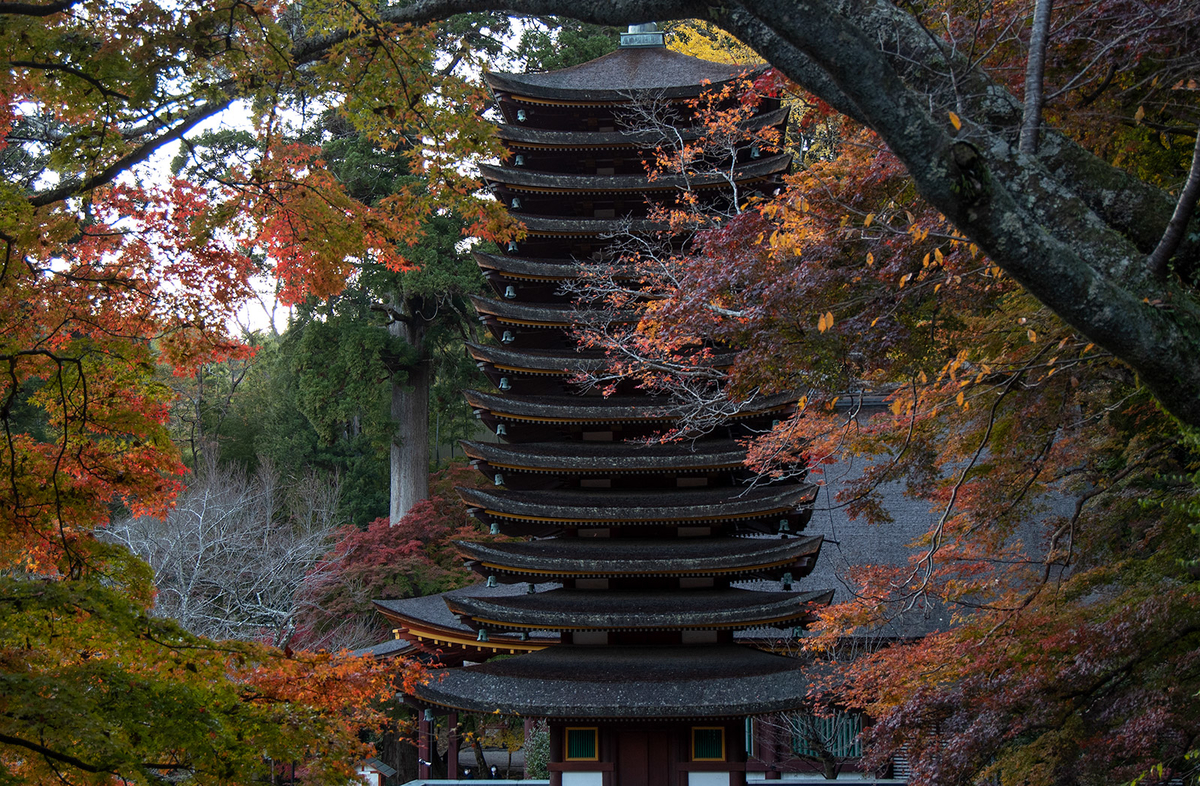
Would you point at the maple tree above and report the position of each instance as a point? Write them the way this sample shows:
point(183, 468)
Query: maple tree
point(414, 557)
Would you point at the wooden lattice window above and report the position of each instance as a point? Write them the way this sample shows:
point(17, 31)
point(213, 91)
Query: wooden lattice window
point(708, 743)
point(582, 744)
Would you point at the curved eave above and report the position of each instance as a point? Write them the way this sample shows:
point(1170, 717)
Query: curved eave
point(592, 610)
point(587, 227)
point(523, 180)
point(605, 458)
point(559, 363)
point(439, 638)
point(543, 315)
point(726, 557)
point(675, 508)
point(623, 683)
point(618, 76)
point(522, 269)
point(614, 409)
point(536, 138)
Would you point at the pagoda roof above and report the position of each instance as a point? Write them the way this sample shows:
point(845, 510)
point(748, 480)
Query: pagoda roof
point(620, 74)
point(696, 609)
point(569, 227)
point(610, 507)
point(594, 409)
point(524, 136)
point(530, 269)
point(602, 557)
point(517, 178)
point(537, 314)
point(609, 457)
point(537, 361)
point(625, 682)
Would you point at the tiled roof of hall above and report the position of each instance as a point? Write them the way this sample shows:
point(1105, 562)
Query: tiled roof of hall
point(645, 556)
point(518, 179)
point(611, 507)
point(564, 609)
point(625, 682)
point(618, 408)
point(608, 457)
point(516, 135)
point(620, 74)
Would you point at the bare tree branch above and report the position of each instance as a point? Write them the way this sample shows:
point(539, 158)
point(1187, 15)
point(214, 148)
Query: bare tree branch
point(1173, 236)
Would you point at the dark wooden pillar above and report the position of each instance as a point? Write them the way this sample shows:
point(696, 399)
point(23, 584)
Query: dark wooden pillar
point(452, 746)
point(556, 752)
point(424, 748)
point(738, 754)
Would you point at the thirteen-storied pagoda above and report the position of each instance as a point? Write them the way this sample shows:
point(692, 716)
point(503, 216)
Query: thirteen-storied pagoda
point(638, 562)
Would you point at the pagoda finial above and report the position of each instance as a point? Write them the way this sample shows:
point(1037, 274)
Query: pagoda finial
point(643, 36)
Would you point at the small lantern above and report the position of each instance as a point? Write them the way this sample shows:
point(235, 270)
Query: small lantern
point(429, 715)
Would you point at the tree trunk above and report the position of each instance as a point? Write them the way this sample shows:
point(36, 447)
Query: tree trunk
point(410, 414)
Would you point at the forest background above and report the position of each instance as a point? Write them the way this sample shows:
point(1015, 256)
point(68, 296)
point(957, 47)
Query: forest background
point(1027, 306)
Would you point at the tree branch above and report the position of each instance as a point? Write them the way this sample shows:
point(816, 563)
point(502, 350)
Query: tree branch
point(35, 9)
point(1035, 69)
point(1177, 226)
point(135, 156)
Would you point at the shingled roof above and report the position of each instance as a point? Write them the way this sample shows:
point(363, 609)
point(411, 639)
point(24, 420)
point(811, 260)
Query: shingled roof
point(648, 556)
point(581, 409)
point(640, 507)
point(519, 136)
point(609, 458)
point(625, 682)
point(518, 179)
point(620, 74)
